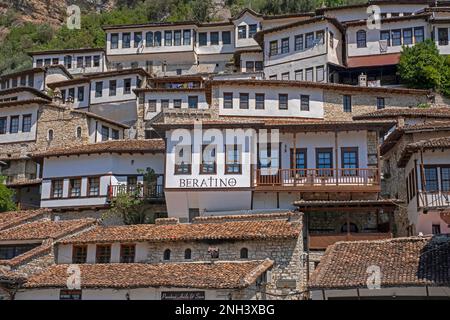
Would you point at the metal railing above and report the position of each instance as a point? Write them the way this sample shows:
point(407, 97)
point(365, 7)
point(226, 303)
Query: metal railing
point(140, 191)
point(434, 200)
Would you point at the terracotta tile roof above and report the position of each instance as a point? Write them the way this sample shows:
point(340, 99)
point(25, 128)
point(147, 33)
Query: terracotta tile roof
point(406, 112)
point(373, 60)
point(81, 50)
point(15, 218)
point(45, 229)
point(44, 248)
point(7, 276)
point(403, 262)
point(112, 146)
point(37, 93)
point(217, 275)
point(442, 142)
point(229, 230)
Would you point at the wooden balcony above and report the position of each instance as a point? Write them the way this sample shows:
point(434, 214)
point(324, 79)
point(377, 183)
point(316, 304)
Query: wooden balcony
point(328, 180)
point(434, 200)
point(322, 241)
point(139, 191)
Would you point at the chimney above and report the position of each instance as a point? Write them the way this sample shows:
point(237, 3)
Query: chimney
point(362, 80)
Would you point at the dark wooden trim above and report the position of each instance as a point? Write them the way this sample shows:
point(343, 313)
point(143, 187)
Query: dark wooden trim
point(122, 245)
point(349, 149)
point(328, 150)
point(97, 246)
point(78, 246)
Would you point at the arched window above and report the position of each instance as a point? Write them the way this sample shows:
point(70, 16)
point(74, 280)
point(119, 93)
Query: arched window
point(149, 39)
point(244, 253)
point(167, 254)
point(188, 254)
point(78, 132)
point(361, 39)
point(353, 228)
point(50, 135)
point(157, 39)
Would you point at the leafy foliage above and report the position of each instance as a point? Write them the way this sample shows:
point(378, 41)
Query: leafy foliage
point(6, 197)
point(422, 67)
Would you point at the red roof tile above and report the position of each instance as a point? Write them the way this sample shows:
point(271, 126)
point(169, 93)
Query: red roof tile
point(15, 218)
point(373, 60)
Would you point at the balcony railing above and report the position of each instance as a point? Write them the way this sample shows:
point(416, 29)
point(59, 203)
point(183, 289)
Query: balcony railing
point(317, 178)
point(322, 241)
point(434, 200)
point(140, 191)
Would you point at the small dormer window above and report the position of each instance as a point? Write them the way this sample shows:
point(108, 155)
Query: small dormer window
point(252, 29)
point(242, 32)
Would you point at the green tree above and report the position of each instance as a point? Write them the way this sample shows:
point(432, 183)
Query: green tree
point(421, 66)
point(6, 197)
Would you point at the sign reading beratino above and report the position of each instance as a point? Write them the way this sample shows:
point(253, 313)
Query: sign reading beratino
point(207, 183)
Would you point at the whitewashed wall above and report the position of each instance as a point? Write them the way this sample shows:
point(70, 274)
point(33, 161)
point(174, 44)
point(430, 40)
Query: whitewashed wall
point(19, 111)
point(75, 68)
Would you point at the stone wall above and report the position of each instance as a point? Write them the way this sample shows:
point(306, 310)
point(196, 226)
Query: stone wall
point(333, 222)
point(364, 102)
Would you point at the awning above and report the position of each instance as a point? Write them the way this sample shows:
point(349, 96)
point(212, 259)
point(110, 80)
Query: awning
point(373, 60)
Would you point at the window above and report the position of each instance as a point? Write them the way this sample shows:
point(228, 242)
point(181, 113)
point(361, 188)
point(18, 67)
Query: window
point(226, 37)
point(114, 134)
point(183, 160)
point(320, 74)
point(419, 35)
point(445, 179)
point(208, 165)
point(249, 66)
point(80, 62)
point(157, 39)
point(285, 76)
point(26, 123)
point(57, 189)
point(68, 62)
point(88, 61)
point(331, 39)
point(79, 254)
point(298, 43)
point(202, 39)
point(361, 39)
point(304, 102)
point(80, 94)
point(112, 88)
point(243, 100)
point(310, 74)
point(407, 36)
point(193, 102)
point(349, 160)
point(443, 36)
point(431, 179)
point(93, 189)
point(70, 295)
point(126, 39)
point(320, 37)
point(74, 188)
point(214, 38)
point(259, 66)
point(242, 32)
point(380, 103)
point(71, 94)
point(396, 37)
point(31, 80)
point(252, 30)
point(14, 83)
point(39, 63)
point(3, 125)
point(299, 162)
point(228, 100)
point(244, 253)
point(50, 135)
point(299, 75)
point(164, 104)
point(105, 133)
point(103, 254)
point(127, 86)
point(23, 81)
point(273, 77)
point(137, 39)
point(47, 62)
point(260, 101)
point(284, 45)
point(187, 37)
point(188, 254)
point(273, 49)
point(152, 106)
point(386, 35)
point(168, 38)
point(98, 89)
point(14, 124)
point(436, 229)
point(324, 160)
point(347, 103)
point(114, 41)
point(166, 255)
point(149, 39)
point(283, 101)
point(177, 103)
point(309, 40)
point(127, 253)
point(233, 159)
point(177, 38)
point(96, 61)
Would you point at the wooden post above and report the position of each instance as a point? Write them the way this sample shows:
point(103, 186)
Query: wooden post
point(336, 151)
point(294, 159)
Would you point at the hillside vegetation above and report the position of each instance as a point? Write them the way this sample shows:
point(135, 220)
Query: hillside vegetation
point(20, 36)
